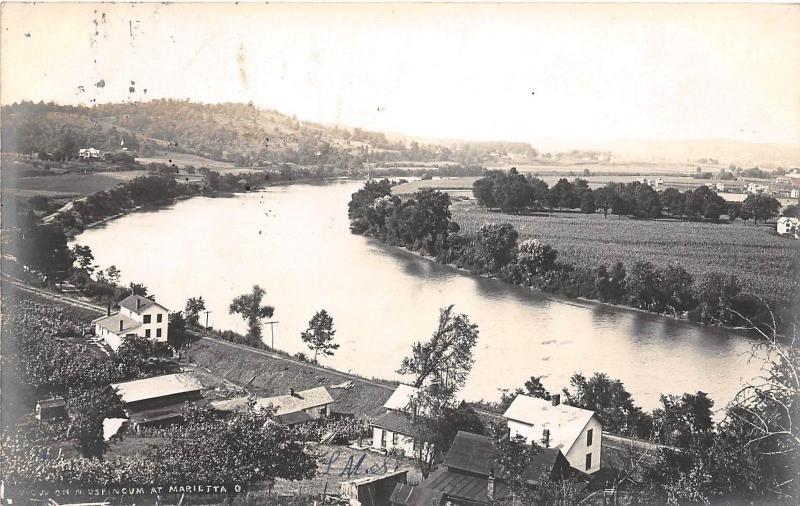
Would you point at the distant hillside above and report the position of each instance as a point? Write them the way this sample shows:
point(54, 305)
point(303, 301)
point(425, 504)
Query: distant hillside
point(238, 133)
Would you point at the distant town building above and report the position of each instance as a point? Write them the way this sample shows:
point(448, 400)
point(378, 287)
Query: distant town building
point(51, 409)
point(159, 399)
point(89, 154)
point(576, 432)
point(292, 409)
point(789, 226)
point(794, 193)
point(137, 316)
point(720, 187)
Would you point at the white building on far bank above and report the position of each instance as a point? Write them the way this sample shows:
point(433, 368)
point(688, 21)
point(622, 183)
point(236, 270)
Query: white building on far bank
point(137, 316)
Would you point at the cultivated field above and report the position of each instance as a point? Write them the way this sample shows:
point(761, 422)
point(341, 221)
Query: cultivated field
point(183, 160)
point(764, 263)
point(68, 185)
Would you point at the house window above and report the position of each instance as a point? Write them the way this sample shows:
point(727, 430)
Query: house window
point(383, 439)
point(589, 434)
point(588, 461)
point(147, 333)
point(158, 318)
point(147, 318)
point(158, 334)
point(394, 438)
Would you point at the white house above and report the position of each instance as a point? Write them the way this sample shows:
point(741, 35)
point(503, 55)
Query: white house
point(794, 193)
point(137, 316)
point(89, 153)
point(576, 432)
point(789, 226)
point(720, 187)
point(395, 431)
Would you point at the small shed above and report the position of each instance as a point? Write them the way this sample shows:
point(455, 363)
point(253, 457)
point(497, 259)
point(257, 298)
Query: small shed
point(373, 490)
point(51, 409)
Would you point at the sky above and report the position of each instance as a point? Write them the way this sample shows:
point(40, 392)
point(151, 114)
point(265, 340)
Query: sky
point(481, 72)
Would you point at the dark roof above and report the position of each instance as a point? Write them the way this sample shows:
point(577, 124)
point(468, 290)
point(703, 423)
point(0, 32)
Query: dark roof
point(129, 302)
point(293, 418)
point(472, 453)
point(396, 421)
point(547, 462)
point(409, 495)
point(160, 414)
point(460, 485)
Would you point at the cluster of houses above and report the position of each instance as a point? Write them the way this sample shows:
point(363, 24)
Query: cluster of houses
point(570, 438)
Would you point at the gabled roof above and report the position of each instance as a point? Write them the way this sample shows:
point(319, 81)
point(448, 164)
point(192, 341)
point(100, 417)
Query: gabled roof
point(401, 397)
point(129, 302)
point(159, 386)
point(564, 422)
point(396, 421)
point(547, 462)
point(472, 453)
point(467, 487)
point(111, 323)
point(299, 401)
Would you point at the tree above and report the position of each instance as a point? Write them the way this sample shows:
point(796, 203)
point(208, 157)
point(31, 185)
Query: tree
point(532, 388)
point(760, 207)
point(43, 248)
point(675, 289)
point(613, 404)
point(495, 245)
point(113, 274)
point(483, 189)
point(562, 195)
point(792, 211)
point(715, 294)
point(87, 410)
point(446, 359)
point(610, 285)
point(681, 421)
point(178, 337)
point(194, 306)
point(249, 307)
point(587, 202)
point(84, 257)
point(535, 258)
point(603, 199)
point(319, 335)
point(141, 290)
point(511, 192)
point(642, 284)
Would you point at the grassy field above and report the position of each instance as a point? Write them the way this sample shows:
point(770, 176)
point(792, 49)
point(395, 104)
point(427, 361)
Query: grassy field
point(182, 160)
point(764, 263)
point(68, 185)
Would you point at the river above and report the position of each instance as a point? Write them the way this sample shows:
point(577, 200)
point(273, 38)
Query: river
point(294, 242)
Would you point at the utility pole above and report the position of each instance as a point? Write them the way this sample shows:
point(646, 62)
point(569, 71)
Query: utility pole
point(206, 312)
point(272, 331)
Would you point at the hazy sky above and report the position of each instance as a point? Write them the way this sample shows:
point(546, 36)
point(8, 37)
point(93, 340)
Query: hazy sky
point(513, 72)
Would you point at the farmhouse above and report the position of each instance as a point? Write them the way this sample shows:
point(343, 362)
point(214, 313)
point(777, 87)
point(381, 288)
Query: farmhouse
point(89, 153)
point(395, 430)
point(574, 431)
point(137, 316)
point(159, 399)
point(291, 409)
point(789, 226)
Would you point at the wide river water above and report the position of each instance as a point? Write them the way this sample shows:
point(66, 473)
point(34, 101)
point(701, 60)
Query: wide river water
point(294, 242)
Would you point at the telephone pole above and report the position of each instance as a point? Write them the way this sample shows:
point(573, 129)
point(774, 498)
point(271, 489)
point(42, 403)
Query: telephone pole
point(272, 331)
point(206, 312)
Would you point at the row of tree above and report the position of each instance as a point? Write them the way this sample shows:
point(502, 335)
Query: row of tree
point(512, 192)
point(422, 223)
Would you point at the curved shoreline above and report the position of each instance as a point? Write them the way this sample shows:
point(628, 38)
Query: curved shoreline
point(584, 302)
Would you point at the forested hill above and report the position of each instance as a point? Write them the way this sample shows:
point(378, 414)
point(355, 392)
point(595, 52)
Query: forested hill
point(238, 133)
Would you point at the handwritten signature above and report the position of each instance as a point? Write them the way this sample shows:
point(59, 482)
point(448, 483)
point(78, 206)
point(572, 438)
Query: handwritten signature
point(357, 465)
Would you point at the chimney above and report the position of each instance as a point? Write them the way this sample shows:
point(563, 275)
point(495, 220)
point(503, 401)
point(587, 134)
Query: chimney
point(120, 324)
point(556, 399)
point(291, 392)
point(490, 486)
point(138, 302)
point(546, 438)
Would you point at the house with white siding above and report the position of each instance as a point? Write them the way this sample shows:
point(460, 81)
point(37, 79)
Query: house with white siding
point(137, 316)
point(395, 430)
point(576, 432)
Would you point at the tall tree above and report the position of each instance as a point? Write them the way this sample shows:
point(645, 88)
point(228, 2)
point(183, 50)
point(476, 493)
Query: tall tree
point(319, 335)
point(249, 307)
point(194, 306)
